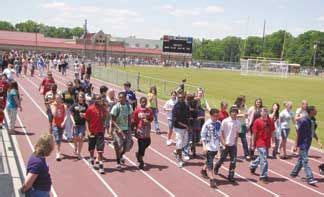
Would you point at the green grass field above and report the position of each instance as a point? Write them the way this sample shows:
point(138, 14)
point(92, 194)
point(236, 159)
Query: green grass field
point(227, 85)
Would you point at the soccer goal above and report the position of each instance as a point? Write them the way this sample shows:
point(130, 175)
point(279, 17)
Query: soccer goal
point(264, 67)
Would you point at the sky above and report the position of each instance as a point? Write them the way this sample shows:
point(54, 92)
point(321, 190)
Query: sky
point(210, 19)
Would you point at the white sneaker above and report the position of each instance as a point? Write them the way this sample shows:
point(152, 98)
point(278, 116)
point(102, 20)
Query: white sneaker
point(118, 166)
point(58, 157)
point(180, 164)
point(186, 158)
point(168, 142)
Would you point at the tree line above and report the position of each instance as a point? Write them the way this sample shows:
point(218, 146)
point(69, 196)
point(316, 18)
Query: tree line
point(280, 44)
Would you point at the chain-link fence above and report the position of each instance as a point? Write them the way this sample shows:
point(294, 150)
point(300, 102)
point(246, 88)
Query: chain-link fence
point(139, 82)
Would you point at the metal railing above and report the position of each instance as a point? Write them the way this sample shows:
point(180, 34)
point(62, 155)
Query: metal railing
point(139, 82)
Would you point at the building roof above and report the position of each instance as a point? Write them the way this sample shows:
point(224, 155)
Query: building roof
point(29, 39)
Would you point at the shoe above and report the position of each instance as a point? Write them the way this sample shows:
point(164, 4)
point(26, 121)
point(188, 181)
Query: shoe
point(96, 166)
point(101, 168)
point(58, 157)
point(252, 170)
point(158, 132)
point(175, 152)
point(264, 180)
point(180, 164)
point(293, 175)
point(204, 174)
point(118, 166)
point(284, 157)
point(186, 158)
point(91, 162)
point(212, 183)
point(122, 160)
point(231, 179)
point(79, 157)
point(312, 182)
point(247, 158)
point(168, 142)
point(141, 165)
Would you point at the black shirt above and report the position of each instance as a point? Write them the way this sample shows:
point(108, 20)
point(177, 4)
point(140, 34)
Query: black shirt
point(180, 113)
point(76, 109)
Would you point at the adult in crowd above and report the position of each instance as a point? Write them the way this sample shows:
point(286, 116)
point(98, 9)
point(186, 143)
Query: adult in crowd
point(180, 117)
point(305, 132)
point(38, 180)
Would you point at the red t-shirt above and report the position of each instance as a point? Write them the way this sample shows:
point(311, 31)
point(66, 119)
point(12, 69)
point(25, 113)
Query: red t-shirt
point(58, 118)
point(143, 128)
point(263, 130)
point(3, 93)
point(95, 116)
point(222, 115)
point(47, 84)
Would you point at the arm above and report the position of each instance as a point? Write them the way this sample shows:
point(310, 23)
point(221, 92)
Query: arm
point(29, 181)
point(17, 100)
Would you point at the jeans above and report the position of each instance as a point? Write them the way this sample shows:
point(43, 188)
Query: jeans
point(242, 135)
point(155, 119)
point(262, 160)
point(303, 162)
point(37, 193)
point(12, 115)
point(276, 148)
point(232, 152)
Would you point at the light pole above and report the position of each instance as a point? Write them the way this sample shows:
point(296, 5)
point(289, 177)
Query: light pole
point(316, 43)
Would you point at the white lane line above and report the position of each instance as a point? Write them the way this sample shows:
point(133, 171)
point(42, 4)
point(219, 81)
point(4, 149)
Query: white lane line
point(32, 148)
point(145, 173)
point(84, 160)
point(255, 184)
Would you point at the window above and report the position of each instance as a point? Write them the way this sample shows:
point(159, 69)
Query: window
point(147, 46)
point(137, 45)
point(156, 46)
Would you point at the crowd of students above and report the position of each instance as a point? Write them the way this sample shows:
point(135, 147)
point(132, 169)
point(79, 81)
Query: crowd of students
point(78, 114)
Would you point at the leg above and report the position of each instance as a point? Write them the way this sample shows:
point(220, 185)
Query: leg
point(263, 153)
point(242, 135)
point(297, 167)
point(221, 160)
point(233, 154)
point(308, 170)
point(156, 120)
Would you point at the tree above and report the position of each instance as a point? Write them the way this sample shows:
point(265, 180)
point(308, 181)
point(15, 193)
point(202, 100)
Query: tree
point(4, 25)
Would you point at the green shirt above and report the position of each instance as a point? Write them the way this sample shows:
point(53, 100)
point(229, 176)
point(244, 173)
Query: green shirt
point(121, 112)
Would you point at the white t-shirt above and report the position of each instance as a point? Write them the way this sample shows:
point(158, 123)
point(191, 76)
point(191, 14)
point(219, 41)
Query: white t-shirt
point(169, 106)
point(210, 134)
point(302, 113)
point(230, 129)
point(9, 72)
point(285, 117)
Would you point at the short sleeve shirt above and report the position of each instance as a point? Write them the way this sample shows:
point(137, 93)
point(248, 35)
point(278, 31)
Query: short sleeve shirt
point(230, 129)
point(37, 165)
point(121, 112)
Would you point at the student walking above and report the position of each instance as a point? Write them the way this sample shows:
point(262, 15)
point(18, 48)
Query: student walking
point(153, 105)
point(262, 133)
point(13, 103)
point(143, 116)
point(211, 137)
point(230, 130)
point(168, 107)
point(285, 117)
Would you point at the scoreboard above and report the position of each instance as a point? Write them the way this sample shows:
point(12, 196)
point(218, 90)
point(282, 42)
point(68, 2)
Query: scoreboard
point(177, 44)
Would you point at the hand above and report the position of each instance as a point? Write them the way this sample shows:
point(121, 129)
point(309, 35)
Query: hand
point(63, 125)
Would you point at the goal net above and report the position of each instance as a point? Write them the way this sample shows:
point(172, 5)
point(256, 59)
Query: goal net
point(264, 67)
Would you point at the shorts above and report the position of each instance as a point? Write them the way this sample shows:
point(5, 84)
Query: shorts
point(79, 131)
point(210, 159)
point(170, 124)
point(181, 138)
point(285, 133)
point(96, 141)
point(49, 114)
point(58, 133)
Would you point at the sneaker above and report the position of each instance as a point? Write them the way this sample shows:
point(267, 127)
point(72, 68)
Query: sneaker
point(180, 164)
point(122, 160)
point(91, 162)
point(168, 142)
point(186, 157)
point(204, 174)
point(175, 152)
point(247, 158)
point(96, 166)
point(264, 180)
point(293, 175)
point(212, 183)
point(158, 132)
point(312, 182)
point(118, 166)
point(252, 170)
point(231, 179)
point(58, 157)
point(101, 168)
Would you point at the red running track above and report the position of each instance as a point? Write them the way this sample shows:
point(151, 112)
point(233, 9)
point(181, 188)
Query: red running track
point(161, 177)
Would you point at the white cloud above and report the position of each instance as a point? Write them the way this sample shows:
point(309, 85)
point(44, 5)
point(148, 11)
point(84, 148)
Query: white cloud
point(321, 18)
point(200, 23)
point(214, 9)
point(54, 4)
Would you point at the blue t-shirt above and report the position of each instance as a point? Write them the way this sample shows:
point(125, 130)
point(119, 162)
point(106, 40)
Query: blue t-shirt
point(305, 132)
point(38, 165)
point(11, 103)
